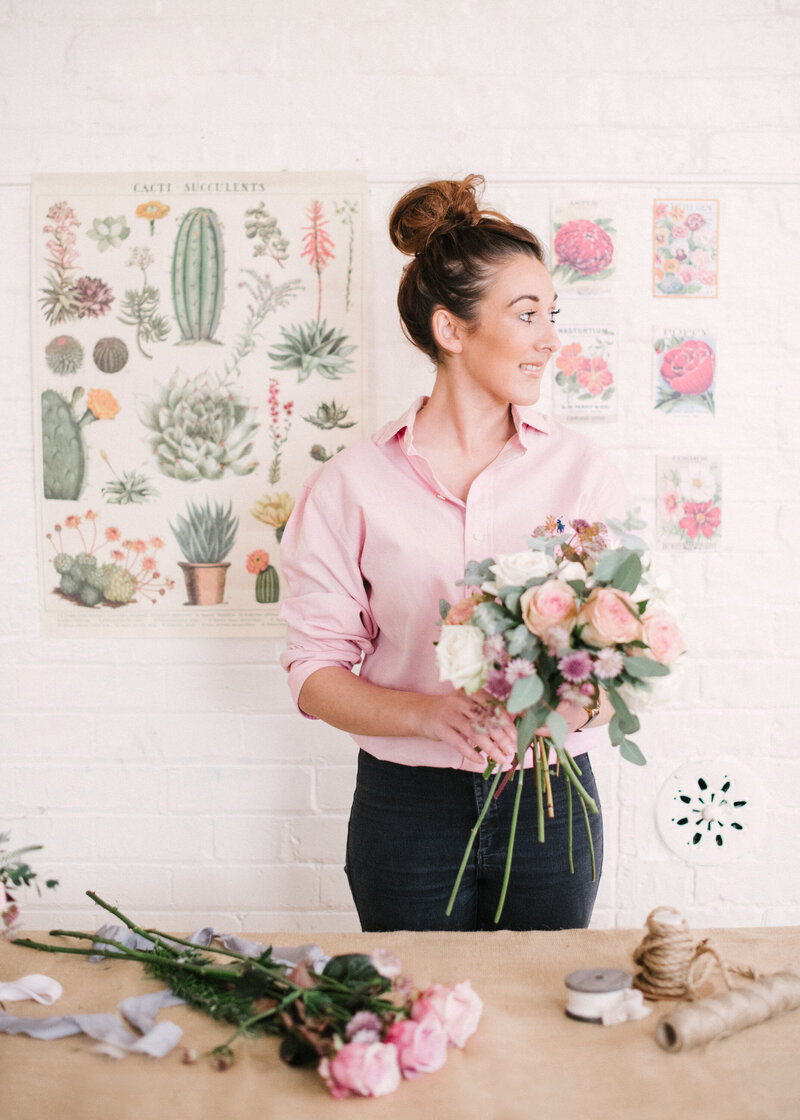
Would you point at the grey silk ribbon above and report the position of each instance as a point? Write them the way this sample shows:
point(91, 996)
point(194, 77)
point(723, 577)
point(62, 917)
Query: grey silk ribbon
point(154, 1039)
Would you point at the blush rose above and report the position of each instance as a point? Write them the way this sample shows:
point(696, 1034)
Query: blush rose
point(362, 1069)
point(421, 1044)
point(458, 1009)
point(609, 617)
point(548, 605)
point(663, 637)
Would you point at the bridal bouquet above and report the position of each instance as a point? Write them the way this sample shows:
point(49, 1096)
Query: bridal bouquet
point(568, 619)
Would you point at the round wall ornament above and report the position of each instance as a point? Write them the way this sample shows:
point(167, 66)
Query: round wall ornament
point(711, 811)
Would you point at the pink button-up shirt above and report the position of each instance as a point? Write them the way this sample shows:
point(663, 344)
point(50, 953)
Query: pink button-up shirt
point(376, 540)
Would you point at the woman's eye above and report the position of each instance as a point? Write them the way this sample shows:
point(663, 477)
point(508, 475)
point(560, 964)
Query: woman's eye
point(553, 314)
point(527, 316)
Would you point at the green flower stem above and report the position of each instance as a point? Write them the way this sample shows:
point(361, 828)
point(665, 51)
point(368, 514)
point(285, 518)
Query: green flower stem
point(569, 826)
point(472, 837)
point(571, 772)
point(512, 834)
point(591, 841)
point(537, 762)
point(120, 952)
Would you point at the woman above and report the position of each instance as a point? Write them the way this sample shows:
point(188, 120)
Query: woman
point(384, 531)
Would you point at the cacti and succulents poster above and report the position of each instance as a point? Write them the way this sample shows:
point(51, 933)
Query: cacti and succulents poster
point(197, 353)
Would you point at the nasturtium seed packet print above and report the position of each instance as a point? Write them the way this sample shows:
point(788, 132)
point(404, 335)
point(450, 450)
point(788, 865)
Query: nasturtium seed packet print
point(197, 354)
point(583, 258)
point(684, 371)
point(689, 502)
point(585, 374)
point(685, 248)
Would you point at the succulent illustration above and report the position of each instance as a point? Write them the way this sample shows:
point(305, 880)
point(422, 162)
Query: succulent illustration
point(93, 297)
point(132, 488)
point(110, 355)
point(201, 428)
point(313, 347)
point(320, 455)
point(64, 454)
point(198, 275)
point(206, 536)
point(265, 297)
point(64, 354)
point(140, 307)
point(109, 233)
point(261, 227)
point(58, 294)
point(330, 416)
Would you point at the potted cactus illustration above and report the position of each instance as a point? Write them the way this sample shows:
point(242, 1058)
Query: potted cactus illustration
point(267, 582)
point(201, 428)
point(198, 276)
point(64, 452)
point(205, 537)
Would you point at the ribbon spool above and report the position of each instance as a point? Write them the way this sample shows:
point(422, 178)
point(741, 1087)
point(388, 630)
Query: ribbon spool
point(603, 995)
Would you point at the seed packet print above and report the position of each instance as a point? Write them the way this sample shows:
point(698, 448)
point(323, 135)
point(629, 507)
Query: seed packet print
point(584, 255)
point(684, 371)
point(689, 502)
point(585, 381)
point(685, 245)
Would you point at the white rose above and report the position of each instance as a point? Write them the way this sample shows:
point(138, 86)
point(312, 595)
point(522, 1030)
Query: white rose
point(571, 570)
point(517, 568)
point(459, 657)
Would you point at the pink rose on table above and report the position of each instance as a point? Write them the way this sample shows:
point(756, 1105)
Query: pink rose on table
point(609, 617)
point(421, 1044)
point(689, 368)
point(662, 635)
point(361, 1069)
point(548, 605)
point(459, 1009)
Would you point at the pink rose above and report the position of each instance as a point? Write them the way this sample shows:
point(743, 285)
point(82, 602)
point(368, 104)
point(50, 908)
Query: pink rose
point(458, 1009)
point(361, 1069)
point(609, 617)
point(662, 635)
point(421, 1044)
point(689, 368)
point(686, 273)
point(548, 605)
point(708, 277)
point(694, 221)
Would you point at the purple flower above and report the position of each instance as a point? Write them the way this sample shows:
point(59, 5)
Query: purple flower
point(497, 684)
point(608, 664)
point(519, 667)
point(494, 649)
point(576, 666)
point(366, 1025)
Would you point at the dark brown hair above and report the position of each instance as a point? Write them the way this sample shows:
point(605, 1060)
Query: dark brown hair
point(456, 247)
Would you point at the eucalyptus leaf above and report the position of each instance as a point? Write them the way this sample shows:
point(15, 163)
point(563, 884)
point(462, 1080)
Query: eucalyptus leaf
point(477, 573)
point(444, 608)
point(558, 727)
point(607, 564)
point(628, 574)
point(510, 597)
point(526, 729)
point(631, 752)
point(645, 667)
point(615, 732)
point(526, 692)
point(491, 618)
point(520, 642)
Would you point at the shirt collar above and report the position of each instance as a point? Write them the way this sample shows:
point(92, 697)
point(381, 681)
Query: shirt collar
point(526, 420)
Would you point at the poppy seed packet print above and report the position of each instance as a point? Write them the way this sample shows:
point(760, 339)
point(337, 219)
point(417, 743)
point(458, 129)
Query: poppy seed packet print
point(689, 502)
point(584, 253)
point(685, 248)
point(684, 371)
point(585, 379)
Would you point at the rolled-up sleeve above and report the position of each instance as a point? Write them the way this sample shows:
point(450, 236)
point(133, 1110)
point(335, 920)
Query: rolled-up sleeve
point(327, 610)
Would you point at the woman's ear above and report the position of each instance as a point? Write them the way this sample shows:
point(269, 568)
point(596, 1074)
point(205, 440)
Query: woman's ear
point(447, 330)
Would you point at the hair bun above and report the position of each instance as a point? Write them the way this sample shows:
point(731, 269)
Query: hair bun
point(433, 209)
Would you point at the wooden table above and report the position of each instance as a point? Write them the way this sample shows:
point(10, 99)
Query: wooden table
point(526, 1060)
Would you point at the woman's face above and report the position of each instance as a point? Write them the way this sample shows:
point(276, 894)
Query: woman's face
point(504, 353)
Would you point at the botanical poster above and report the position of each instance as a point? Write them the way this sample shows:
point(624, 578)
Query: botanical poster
point(689, 502)
point(585, 381)
point(685, 243)
point(584, 256)
point(197, 352)
point(684, 371)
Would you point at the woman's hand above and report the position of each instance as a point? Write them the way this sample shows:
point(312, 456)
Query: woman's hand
point(473, 725)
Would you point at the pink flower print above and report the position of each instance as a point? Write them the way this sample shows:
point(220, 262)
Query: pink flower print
point(680, 233)
point(686, 274)
point(570, 358)
point(695, 220)
point(700, 517)
point(707, 276)
point(661, 210)
point(595, 375)
point(671, 502)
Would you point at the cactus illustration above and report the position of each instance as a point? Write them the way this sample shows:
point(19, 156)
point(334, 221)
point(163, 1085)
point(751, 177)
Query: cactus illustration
point(64, 454)
point(268, 587)
point(197, 275)
point(110, 355)
point(64, 354)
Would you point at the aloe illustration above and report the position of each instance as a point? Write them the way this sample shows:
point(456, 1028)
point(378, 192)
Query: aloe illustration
point(131, 488)
point(198, 264)
point(206, 535)
point(314, 346)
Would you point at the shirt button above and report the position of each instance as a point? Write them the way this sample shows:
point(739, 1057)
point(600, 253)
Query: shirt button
point(405, 438)
point(441, 497)
point(477, 536)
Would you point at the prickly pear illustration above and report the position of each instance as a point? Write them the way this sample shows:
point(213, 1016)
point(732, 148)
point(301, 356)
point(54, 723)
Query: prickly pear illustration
point(64, 454)
point(197, 275)
point(267, 586)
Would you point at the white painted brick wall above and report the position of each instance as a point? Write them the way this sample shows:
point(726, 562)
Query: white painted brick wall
point(174, 777)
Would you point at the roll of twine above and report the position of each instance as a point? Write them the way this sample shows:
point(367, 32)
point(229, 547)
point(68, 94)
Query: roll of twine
point(672, 965)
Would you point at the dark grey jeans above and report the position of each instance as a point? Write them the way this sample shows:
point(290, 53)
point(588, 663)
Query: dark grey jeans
point(408, 829)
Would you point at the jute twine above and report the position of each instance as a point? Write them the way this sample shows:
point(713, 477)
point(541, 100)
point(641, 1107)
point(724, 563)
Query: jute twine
point(673, 966)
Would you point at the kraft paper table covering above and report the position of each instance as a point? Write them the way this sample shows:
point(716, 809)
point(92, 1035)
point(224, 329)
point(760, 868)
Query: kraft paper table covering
point(527, 1058)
